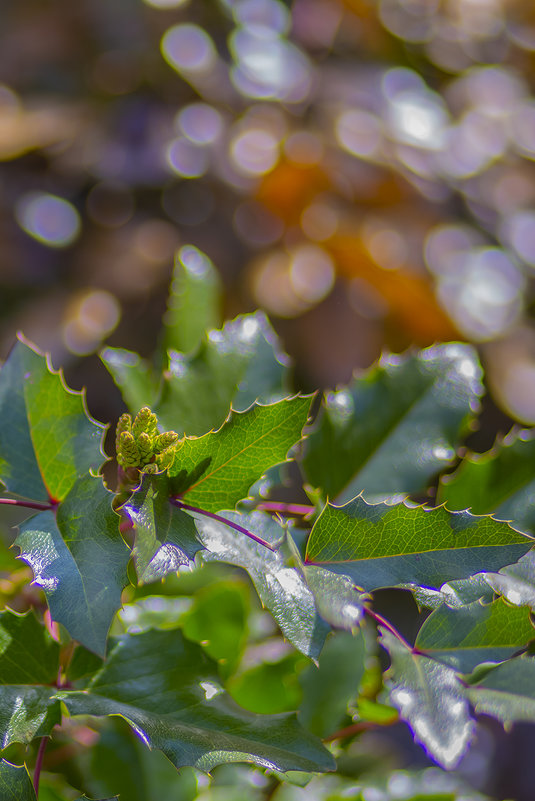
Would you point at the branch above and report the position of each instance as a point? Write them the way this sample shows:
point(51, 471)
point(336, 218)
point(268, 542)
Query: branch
point(213, 516)
point(42, 507)
point(39, 764)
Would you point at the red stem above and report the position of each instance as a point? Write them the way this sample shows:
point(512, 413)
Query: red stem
point(285, 508)
point(213, 516)
point(39, 764)
point(384, 622)
point(42, 507)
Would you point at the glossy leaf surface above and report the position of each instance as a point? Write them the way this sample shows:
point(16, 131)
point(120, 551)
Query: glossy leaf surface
point(384, 545)
point(168, 690)
point(15, 782)
point(216, 471)
point(237, 365)
point(47, 438)
point(79, 559)
point(516, 582)
point(166, 537)
point(507, 692)
point(431, 700)
point(500, 481)
point(476, 633)
point(395, 426)
point(193, 305)
point(282, 589)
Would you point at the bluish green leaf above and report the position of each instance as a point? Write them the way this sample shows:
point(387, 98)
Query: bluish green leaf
point(47, 438)
point(431, 700)
point(216, 471)
point(79, 559)
point(194, 301)
point(281, 588)
point(454, 593)
point(516, 582)
point(168, 690)
point(328, 688)
point(500, 482)
point(476, 633)
point(15, 783)
point(28, 655)
point(507, 692)
point(237, 365)
point(134, 377)
point(27, 711)
point(396, 425)
point(165, 536)
point(385, 545)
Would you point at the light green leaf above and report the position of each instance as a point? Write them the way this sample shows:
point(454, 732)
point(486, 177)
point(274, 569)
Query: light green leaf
point(507, 692)
point(269, 687)
point(15, 783)
point(281, 589)
point(79, 559)
point(385, 545)
point(476, 633)
point(431, 700)
point(216, 471)
point(168, 690)
point(234, 366)
point(47, 438)
point(396, 425)
point(500, 481)
point(133, 375)
point(166, 537)
point(193, 306)
point(329, 687)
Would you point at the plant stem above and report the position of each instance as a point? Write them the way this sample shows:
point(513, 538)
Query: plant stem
point(39, 764)
point(213, 516)
point(384, 622)
point(42, 507)
point(285, 508)
point(355, 728)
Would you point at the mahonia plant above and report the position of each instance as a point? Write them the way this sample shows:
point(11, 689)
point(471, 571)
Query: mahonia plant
point(134, 609)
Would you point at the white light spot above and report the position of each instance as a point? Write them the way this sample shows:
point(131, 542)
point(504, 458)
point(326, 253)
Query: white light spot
point(188, 48)
point(210, 689)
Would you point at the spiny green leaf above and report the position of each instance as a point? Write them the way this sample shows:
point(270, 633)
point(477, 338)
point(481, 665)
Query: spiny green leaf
point(234, 366)
point(431, 699)
point(476, 633)
point(15, 782)
point(216, 471)
point(516, 582)
point(193, 306)
point(507, 692)
point(500, 481)
point(281, 589)
point(168, 690)
point(396, 425)
point(28, 655)
point(133, 375)
point(385, 545)
point(47, 438)
point(166, 537)
point(27, 711)
point(454, 593)
point(79, 559)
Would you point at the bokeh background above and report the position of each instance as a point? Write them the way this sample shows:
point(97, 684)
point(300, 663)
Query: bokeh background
point(362, 170)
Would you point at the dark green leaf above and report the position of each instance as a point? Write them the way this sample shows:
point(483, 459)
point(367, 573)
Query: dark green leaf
point(328, 688)
point(193, 306)
point(166, 537)
point(431, 699)
point(47, 438)
point(216, 471)
point(476, 633)
point(133, 375)
point(15, 783)
point(235, 365)
point(281, 589)
point(384, 545)
point(79, 559)
point(516, 582)
point(395, 426)
point(27, 711)
point(28, 655)
point(500, 481)
point(507, 692)
point(167, 689)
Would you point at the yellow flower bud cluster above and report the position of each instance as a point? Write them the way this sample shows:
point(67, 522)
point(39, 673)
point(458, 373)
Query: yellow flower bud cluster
point(139, 444)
